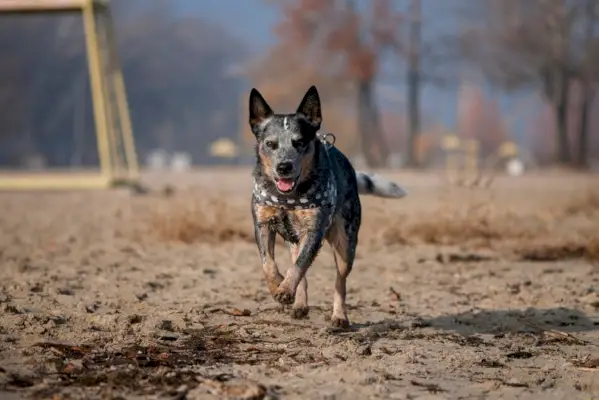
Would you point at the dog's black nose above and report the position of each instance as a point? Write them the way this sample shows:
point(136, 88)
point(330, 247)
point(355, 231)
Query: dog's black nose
point(284, 168)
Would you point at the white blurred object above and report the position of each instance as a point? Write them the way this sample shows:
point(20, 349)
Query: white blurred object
point(515, 167)
point(180, 162)
point(157, 159)
point(34, 161)
point(395, 160)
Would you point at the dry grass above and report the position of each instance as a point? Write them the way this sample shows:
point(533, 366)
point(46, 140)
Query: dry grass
point(192, 220)
point(555, 233)
point(557, 249)
point(479, 223)
point(586, 203)
point(592, 250)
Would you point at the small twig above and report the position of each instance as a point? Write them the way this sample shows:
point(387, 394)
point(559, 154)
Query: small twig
point(567, 335)
point(394, 294)
point(430, 387)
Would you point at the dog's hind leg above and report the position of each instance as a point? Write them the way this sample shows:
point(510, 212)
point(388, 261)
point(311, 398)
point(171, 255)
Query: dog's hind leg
point(300, 307)
point(343, 238)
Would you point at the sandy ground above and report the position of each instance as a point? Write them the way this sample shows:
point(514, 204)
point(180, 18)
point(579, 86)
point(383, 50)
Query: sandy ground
point(456, 293)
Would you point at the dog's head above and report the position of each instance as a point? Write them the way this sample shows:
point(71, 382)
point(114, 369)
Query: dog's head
point(285, 142)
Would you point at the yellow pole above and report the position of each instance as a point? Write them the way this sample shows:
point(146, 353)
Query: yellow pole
point(97, 88)
point(121, 98)
point(108, 87)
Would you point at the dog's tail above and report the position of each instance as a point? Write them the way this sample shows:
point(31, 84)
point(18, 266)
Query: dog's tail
point(375, 185)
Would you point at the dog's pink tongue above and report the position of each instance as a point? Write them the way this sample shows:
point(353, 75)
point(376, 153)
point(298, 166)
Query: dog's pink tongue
point(284, 185)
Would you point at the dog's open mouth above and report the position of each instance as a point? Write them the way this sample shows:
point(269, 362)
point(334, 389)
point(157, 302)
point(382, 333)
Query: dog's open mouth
point(285, 185)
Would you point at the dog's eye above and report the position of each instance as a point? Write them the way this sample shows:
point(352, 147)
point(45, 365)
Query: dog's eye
point(271, 144)
point(299, 143)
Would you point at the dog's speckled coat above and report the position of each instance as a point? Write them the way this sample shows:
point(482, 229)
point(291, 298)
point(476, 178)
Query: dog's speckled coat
point(294, 174)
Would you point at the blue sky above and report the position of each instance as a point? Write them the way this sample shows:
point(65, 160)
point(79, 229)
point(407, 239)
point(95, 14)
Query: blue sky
point(250, 20)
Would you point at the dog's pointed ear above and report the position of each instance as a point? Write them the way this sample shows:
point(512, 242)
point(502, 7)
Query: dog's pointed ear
point(310, 107)
point(259, 108)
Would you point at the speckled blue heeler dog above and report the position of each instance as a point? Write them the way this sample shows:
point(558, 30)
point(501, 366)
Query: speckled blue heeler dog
point(307, 191)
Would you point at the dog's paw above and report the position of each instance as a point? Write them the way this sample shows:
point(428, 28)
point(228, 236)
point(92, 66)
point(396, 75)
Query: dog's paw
point(284, 296)
point(300, 312)
point(273, 284)
point(339, 322)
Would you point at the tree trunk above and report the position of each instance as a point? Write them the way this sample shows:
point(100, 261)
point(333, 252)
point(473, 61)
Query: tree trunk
point(582, 158)
point(364, 123)
point(373, 147)
point(561, 119)
point(583, 138)
point(414, 118)
point(381, 147)
point(414, 85)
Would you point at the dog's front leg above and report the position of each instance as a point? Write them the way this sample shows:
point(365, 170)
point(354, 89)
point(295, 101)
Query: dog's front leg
point(265, 240)
point(315, 228)
point(300, 305)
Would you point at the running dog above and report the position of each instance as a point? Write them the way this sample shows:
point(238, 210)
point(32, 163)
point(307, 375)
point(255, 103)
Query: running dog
point(306, 191)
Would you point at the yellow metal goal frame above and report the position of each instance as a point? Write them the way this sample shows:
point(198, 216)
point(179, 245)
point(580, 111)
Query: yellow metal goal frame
point(116, 146)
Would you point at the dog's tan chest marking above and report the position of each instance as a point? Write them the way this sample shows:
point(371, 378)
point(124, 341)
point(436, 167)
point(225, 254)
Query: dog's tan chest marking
point(266, 214)
point(304, 220)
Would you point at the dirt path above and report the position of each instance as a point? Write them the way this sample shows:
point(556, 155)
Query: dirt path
point(456, 293)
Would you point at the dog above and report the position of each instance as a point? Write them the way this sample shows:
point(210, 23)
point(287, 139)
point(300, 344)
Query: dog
point(306, 191)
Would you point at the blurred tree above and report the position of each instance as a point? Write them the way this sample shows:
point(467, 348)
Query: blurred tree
point(331, 44)
point(429, 51)
point(535, 43)
point(414, 72)
point(480, 119)
point(537, 128)
point(293, 63)
point(588, 76)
